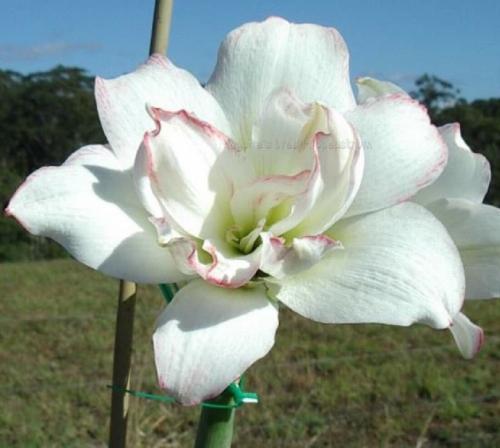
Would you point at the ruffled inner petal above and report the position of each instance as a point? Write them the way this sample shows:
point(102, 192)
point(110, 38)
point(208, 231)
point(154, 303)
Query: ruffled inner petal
point(300, 176)
point(215, 261)
point(280, 260)
point(178, 170)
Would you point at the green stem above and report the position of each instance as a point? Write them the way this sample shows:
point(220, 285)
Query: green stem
point(215, 428)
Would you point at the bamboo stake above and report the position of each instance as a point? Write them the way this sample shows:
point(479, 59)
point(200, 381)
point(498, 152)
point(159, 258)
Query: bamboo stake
point(124, 331)
point(122, 358)
point(161, 26)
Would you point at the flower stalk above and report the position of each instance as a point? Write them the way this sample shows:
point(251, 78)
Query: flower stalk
point(216, 425)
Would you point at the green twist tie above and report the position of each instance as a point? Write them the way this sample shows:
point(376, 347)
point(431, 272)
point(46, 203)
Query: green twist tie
point(238, 395)
point(147, 396)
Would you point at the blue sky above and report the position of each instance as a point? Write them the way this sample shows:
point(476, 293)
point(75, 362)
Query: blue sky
point(392, 39)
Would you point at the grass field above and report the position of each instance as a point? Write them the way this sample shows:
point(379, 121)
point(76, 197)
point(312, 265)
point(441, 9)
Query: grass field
point(322, 386)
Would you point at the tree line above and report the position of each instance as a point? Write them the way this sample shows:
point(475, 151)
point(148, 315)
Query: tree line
point(45, 116)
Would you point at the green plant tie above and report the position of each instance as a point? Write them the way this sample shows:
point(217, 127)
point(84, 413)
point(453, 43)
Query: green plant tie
point(235, 390)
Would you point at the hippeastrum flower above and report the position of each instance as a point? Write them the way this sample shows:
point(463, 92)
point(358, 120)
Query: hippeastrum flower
point(271, 184)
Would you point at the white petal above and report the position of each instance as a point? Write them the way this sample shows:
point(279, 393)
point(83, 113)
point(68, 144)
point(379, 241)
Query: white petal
point(310, 163)
point(258, 58)
point(297, 209)
point(181, 159)
point(228, 268)
point(403, 151)
point(334, 179)
point(475, 230)
point(165, 230)
point(122, 102)
point(278, 260)
point(89, 206)
point(341, 167)
point(225, 267)
point(468, 336)
point(208, 336)
point(282, 134)
point(467, 175)
point(398, 266)
point(144, 187)
point(281, 122)
point(373, 88)
point(253, 202)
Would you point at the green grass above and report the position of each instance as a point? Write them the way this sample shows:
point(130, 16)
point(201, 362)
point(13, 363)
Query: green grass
point(321, 386)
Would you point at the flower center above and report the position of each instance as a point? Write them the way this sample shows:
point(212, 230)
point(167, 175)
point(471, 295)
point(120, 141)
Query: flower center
point(283, 166)
point(245, 242)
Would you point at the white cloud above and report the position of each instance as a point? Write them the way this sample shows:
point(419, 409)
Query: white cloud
point(11, 53)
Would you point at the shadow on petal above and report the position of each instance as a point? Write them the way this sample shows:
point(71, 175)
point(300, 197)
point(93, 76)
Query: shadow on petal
point(231, 304)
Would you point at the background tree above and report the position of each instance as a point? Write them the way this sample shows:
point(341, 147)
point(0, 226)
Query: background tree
point(44, 117)
point(49, 115)
point(435, 93)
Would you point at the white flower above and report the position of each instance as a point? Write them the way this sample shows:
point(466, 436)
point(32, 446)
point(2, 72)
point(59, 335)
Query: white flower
point(271, 184)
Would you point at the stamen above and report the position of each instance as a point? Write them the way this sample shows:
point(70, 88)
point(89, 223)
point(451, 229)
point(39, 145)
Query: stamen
point(233, 236)
point(247, 243)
